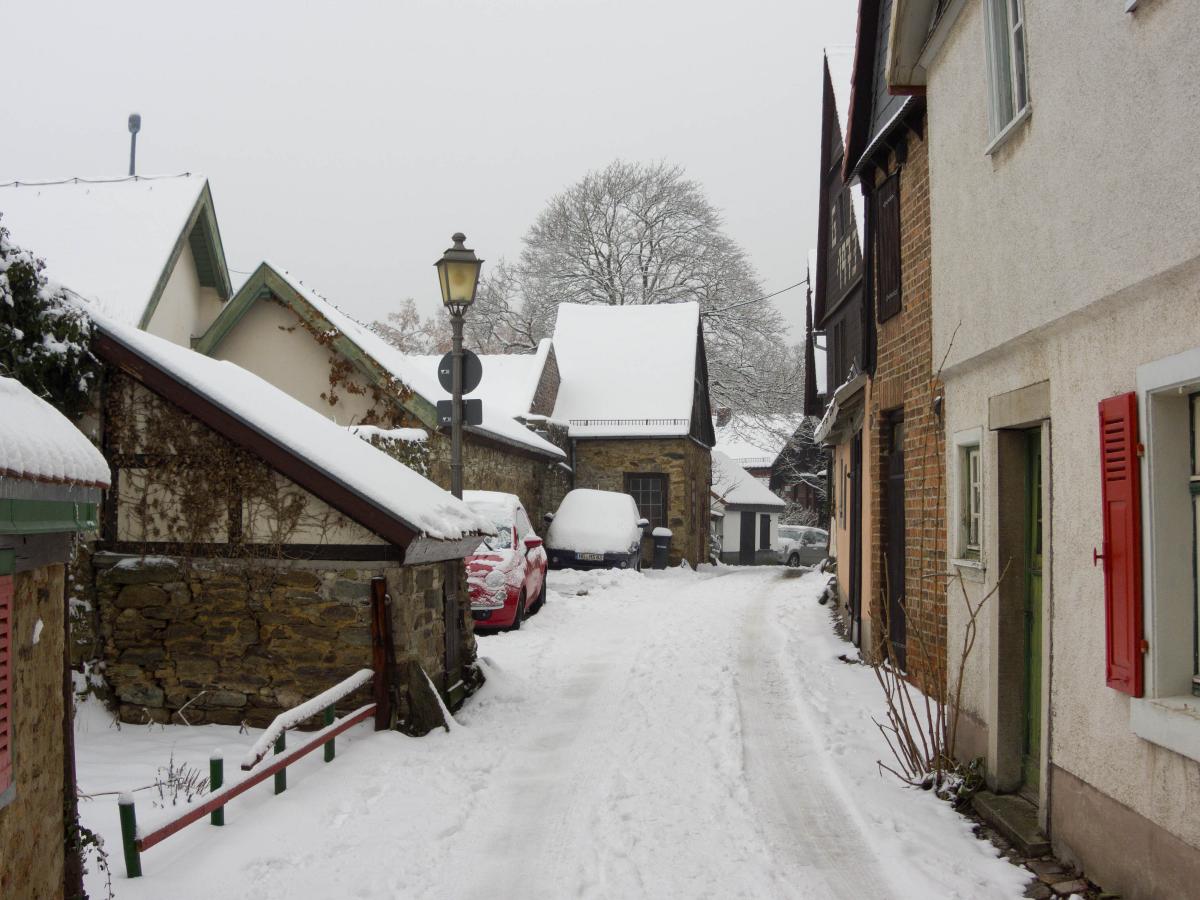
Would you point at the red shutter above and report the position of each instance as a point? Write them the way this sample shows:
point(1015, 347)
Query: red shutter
point(1122, 500)
point(6, 614)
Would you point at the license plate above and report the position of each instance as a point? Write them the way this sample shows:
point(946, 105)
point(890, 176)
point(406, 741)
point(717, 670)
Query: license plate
point(591, 557)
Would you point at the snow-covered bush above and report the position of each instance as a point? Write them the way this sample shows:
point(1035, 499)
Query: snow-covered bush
point(44, 337)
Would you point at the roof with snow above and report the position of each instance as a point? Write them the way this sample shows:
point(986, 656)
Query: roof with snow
point(754, 442)
point(115, 241)
point(418, 373)
point(734, 486)
point(510, 380)
point(627, 371)
point(38, 443)
point(322, 457)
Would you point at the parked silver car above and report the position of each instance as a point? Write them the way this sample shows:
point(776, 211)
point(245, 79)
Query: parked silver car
point(803, 545)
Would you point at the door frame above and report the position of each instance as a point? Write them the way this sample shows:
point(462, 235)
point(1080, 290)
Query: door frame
point(856, 572)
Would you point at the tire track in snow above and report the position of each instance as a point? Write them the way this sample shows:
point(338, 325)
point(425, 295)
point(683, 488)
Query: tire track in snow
point(809, 823)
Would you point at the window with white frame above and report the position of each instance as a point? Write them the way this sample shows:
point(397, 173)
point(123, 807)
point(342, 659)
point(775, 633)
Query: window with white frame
point(1007, 86)
point(967, 536)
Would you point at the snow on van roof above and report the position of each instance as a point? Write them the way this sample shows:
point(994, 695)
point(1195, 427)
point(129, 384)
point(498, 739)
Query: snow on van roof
point(109, 239)
point(38, 443)
point(734, 486)
point(419, 373)
point(371, 474)
point(626, 370)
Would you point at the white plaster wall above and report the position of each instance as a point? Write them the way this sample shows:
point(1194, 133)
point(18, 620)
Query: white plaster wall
point(1097, 191)
point(270, 342)
point(186, 308)
point(1086, 357)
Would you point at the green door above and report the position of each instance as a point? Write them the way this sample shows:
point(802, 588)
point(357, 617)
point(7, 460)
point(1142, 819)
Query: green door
point(1032, 745)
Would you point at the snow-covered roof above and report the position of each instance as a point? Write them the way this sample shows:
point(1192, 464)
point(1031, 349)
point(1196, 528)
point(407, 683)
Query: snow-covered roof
point(419, 373)
point(109, 239)
point(38, 443)
point(510, 380)
point(755, 442)
point(734, 486)
point(369, 473)
point(494, 505)
point(626, 370)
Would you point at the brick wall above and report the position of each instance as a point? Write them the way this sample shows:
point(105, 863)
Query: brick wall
point(241, 640)
point(31, 826)
point(602, 464)
point(904, 381)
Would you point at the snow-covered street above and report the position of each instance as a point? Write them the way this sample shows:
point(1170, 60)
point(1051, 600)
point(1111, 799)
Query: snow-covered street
point(659, 735)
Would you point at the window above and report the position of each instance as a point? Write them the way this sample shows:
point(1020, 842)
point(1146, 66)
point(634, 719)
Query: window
point(1005, 35)
point(968, 534)
point(650, 494)
point(6, 617)
point(764, 532)
point(887, 198)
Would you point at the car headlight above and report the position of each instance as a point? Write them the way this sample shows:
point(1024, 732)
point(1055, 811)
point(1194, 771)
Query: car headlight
point(500, 595)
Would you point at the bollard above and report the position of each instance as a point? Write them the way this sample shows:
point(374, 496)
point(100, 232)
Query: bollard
point(216, 778)
point(330, 750)
point(133, 857)
point(281, 775)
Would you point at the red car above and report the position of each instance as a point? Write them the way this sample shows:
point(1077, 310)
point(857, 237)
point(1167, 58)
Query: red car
point(507, 574)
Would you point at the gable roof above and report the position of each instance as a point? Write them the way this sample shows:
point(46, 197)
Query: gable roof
point(320, 456)
point(38, 443)
point(734, 486)
point(627, 371)
point(755, 443)
point(116, 241)
point(375, 356)
point(510, 380)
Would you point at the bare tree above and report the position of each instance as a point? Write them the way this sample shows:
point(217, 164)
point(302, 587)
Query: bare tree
point(635, 233)
point(405, 330)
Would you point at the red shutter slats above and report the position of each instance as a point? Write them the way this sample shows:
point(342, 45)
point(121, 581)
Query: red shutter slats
point(1122, 520)
point(6, 615)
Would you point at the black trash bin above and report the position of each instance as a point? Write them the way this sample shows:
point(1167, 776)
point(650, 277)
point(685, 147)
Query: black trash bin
point(662, 546)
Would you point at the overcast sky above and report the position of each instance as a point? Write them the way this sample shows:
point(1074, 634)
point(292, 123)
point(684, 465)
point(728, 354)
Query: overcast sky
point(347, 140)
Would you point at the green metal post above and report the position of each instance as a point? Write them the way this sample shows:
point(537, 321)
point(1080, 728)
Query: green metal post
point(133, 857)
point(281, 775)
point(216, 778)
point(330, 749)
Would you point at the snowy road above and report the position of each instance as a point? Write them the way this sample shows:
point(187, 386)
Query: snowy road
point(665, 735)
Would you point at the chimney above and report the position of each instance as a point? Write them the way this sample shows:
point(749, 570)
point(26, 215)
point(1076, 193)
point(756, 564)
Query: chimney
point(135, 125)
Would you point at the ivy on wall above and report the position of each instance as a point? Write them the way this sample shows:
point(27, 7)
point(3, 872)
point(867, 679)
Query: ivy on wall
point(44, 336)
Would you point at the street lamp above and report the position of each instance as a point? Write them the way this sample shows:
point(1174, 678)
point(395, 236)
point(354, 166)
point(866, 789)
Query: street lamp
point(458, 277)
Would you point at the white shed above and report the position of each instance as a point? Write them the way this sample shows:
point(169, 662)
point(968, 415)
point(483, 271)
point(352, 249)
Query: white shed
point(750, 525)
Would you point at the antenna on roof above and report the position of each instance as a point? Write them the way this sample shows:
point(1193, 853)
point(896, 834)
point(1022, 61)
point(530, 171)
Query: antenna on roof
point(135, 125)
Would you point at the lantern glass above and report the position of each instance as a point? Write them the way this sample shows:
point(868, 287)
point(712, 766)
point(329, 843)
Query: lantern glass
point(458, 275)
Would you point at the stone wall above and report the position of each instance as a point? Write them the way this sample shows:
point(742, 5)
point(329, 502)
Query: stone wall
point(31, 825)
point(546, 392)
point(241, 640)
point(904, 382)
point(488, 466)
point(603, 464)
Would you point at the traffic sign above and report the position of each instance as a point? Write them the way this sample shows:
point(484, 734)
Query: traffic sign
point(472, 412)
point(472, 372)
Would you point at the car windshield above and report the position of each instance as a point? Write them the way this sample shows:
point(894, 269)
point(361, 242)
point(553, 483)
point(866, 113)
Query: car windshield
point(502, 539)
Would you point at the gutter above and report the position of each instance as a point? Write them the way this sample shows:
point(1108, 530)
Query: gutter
point(840, 396)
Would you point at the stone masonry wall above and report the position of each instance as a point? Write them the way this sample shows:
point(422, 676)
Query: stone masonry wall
point(488, 467)
point(31, 826)
point(603, 464)
point(242, 640)
point(904, 380)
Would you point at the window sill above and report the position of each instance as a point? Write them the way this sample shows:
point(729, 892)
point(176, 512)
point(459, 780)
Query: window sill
point(1008, 130)
point(1171, 722)
point(970, 569)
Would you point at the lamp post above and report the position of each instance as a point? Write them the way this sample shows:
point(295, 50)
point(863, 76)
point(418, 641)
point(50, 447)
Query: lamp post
point(458, 277)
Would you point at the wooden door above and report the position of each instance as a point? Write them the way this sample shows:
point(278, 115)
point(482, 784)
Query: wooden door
point(746, 538)
point(894, 525)
point(1031, 749)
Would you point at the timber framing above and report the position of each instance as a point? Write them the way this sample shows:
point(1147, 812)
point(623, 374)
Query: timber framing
point(310, 477)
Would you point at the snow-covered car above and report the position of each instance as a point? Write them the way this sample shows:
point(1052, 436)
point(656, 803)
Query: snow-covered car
point(596, 529)
point(802, 545)
point(506, 576)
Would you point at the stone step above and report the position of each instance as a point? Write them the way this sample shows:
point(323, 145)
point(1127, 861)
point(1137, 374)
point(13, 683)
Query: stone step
point(1015, 818)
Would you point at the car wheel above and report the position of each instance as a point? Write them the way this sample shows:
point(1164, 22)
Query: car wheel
point(520, 616)
point(541, 598)
point(794, 561)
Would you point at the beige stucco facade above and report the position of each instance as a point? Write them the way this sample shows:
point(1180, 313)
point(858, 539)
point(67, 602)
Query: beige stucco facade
point(1066, 265)
point(186, 308)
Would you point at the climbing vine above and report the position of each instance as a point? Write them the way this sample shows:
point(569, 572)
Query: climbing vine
point(44, 336)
